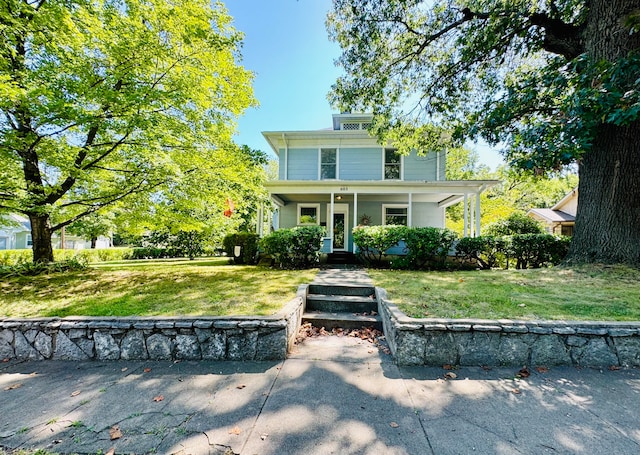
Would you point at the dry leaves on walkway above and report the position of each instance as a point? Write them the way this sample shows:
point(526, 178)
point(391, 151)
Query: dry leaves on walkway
point(369, 334)
point(115, 432)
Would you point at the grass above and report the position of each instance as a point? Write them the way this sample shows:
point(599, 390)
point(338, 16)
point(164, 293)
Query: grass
point(153, 288)
point(597, 292)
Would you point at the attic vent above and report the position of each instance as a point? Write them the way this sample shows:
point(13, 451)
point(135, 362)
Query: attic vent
point(350, 126)
point(366, 126)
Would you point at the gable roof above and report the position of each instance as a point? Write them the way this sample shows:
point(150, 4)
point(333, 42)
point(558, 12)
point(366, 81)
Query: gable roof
point(553, 216)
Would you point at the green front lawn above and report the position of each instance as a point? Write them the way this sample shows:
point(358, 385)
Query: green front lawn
point(153, 288)
point(583, 293)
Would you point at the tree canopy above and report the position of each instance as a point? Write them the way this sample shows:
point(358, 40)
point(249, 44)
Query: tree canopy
point(557, 81)
point(103, 100)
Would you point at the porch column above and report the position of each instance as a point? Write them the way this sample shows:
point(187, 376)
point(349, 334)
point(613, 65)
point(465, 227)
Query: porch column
point(260, 226)
point(330, 224)
point(410, 211)
point(465, 228)
point(478, 215)
point(472, 215)
point(355, 210)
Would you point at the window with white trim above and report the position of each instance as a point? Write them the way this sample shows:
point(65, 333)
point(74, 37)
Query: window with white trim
point(392, 163)
point(308, 214)
point(395, 214)
point(328, 164)
point(29, 240)
point(4, 243)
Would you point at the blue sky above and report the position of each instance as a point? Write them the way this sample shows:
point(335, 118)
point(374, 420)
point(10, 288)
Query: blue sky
point(287, 47)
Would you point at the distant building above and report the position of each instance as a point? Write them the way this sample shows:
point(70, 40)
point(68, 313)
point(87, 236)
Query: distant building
point(15, 234)
point(561, 218)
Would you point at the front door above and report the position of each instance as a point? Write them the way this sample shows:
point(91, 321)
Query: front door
point(340, 226)
point(339, 231)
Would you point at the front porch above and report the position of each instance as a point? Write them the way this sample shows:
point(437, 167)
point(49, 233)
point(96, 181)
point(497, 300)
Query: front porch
point(340, 206)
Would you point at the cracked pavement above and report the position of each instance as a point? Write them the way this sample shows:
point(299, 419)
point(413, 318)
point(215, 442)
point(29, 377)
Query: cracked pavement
point(333, 395)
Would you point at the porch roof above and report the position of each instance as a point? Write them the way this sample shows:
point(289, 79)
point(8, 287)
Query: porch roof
point(445, 193)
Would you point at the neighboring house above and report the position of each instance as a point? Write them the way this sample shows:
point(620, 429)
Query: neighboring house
point(341, 178)
point(15, 234)
point(561, 218)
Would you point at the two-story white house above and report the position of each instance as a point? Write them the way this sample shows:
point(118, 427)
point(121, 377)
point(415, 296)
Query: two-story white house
point(341, 178)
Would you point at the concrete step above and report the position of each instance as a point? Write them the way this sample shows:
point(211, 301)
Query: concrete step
point(341, 320)
point(362, 290)
point(341, 303)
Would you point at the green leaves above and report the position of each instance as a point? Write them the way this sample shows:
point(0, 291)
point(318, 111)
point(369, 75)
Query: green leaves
point(103, 100)
point(511, 72)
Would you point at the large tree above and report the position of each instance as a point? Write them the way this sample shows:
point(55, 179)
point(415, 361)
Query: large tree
point(103, 100)
point(558, 81)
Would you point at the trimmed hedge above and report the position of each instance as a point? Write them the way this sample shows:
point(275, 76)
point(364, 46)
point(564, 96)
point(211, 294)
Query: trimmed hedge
point(529, 251)
point(14, 257)
point(295, 248)
point(374, 241)
point(426, 247)
point(248, 241)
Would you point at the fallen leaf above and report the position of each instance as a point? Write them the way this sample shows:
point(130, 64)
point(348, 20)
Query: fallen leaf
point(614, 368)
point(394, 425)
point(14, 386)
point(146, 370)
point(516, 391)
point(446, 366)
point(124, 369)
point(241, 386)
point(5, 360)
point(542, 369)
point(111, 451)
point(158, 398)
point(235, 430)
point(460, 280)
point(450, 375)
point(523, 373)
point(115, 433)
point(75, 393)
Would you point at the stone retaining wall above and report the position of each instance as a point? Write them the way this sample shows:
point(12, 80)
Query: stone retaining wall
point(477, 342)
point(188, 338)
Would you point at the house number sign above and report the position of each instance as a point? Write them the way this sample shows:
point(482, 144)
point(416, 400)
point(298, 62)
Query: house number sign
point(344, 188)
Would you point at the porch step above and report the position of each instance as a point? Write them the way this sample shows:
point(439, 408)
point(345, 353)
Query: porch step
point(341, 257)
point(341, 303)
point(341, 320)
point(363, 290)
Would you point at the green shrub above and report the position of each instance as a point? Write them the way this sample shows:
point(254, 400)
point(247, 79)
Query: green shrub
point(76, 263)
point(374, 241)
point(516, 223)
point(248, 241)
point(486, 251)
point(428, 247)
point(532, 251)
point(14, 257)
point(295, 248)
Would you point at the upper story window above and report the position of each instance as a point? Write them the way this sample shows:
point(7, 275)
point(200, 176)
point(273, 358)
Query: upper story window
point(392, 163)
point(29, 240)
point(328, 164)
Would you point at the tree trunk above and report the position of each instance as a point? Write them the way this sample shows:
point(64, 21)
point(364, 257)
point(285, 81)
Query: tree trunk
point(41, 237)
point(93, 242)
point(608, 218)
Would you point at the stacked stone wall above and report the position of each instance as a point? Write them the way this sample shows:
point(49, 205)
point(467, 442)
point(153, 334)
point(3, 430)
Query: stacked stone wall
point(184, 338)
point(479, 342)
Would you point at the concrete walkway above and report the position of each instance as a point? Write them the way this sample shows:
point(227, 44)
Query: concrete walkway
point(332, 396)
point(347, 274)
